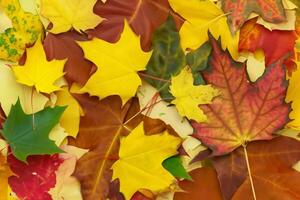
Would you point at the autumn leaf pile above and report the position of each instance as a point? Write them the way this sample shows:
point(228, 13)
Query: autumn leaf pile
point(149, 99)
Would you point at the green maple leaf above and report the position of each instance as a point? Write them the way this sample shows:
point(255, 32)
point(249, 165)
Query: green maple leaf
point(23, 139)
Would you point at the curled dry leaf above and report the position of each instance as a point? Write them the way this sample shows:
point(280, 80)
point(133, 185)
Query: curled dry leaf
point(243, 112)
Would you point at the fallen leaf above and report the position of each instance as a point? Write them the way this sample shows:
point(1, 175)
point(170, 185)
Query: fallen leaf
point(175, 167)
point(58, 135)
point(115, 66)
point(71, 116)
point(5, 172)
point(11, 91)
point(240, 10)
point(292, 96)
point(143, 16)
point(148, 174)
point(271, 165)
point(20, 130)
point(32, 181)
point(99, 131)
point(25, 31)
point(6, 23)
point(204, 186)
point(62, 46)
point(67, 14)
point(201, 17)
point(39, 72)
point(255, 37)
point(167, 59)
point(243, 112)
point(161, 110)
point(188, 96)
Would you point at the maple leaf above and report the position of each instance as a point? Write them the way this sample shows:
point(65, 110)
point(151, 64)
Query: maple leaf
point(71, 117)
point(5, 172)
point(293, 97)
point(26, 138)
point(12, 91)
point(32, 181)
point(39, 72)
point(202, 16)
point(133, 166)
point(144, 16)
point(167, 59)
point(243, 112)
point(204, 186)
point(254, 37)
point(24, 31)
point(188, 97)
point(271, 167)
point(67, 14)
point(62, 46)
point(240, 10)
point(115, 65)
point(100, 128)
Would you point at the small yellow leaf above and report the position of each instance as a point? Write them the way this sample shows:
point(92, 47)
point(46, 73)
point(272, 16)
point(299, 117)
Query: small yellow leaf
point(5, 172)
point(71, 117)
point(11, 91)
point(67, 14)
point(39, 72)
point(201, 17)
point(188, 96)
point(117, 64)
point(140, 162)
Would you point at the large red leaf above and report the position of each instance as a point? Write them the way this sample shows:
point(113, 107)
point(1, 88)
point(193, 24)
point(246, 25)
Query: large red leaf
point(144, 16)
point(243, 112)
point(205, 186)
point(240, 10)
point(271, 167)
point(32, 181)
point(100, 129)
point(62, 46)
point(254, 36)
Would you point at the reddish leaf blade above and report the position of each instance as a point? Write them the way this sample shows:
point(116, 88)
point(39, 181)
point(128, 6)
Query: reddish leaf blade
point(240, 10)
point(35, 179)
point(243, 112)
point(144, 16)
point(62, 46)
point(254, 37)
point(271, 166)
point(204, 186)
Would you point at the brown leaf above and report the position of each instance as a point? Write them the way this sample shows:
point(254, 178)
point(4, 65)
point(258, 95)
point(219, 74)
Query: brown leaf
point(144, 16)
point(99, 131)
point(205, 186)
point(271, 166)
point(62, 46)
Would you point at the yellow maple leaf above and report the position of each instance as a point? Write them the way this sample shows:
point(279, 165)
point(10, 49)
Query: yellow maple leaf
point(39, 72)
point(67, 14)
point(117, 64)
point(140, 161)
point(188, 96)
point(201, 17)
point(71, 117)
point(5, 172)
point(25, 30)
point(11, 91)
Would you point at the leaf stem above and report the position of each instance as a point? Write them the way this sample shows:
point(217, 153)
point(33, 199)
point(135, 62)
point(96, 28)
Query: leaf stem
point(153, 77)
point(249, 172)
point(33, 117)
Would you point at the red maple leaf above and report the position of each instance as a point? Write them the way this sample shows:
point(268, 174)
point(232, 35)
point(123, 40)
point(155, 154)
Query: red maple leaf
point(32, 181)
point(240, 10)
point(243, 112)
point(254, 36)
